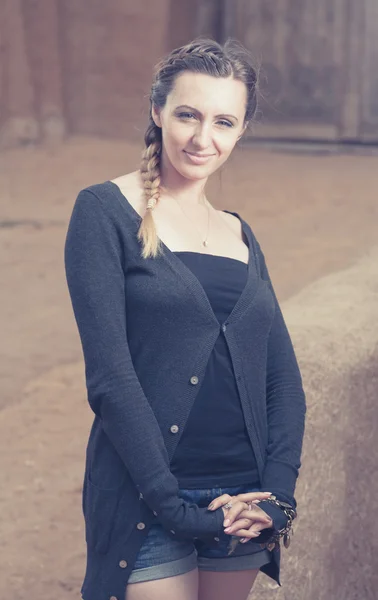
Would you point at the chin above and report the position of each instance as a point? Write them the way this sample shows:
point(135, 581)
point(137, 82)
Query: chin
point(195, 172)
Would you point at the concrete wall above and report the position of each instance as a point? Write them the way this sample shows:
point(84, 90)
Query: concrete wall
point(333, 326)
point(82, 67)
point(110, 52)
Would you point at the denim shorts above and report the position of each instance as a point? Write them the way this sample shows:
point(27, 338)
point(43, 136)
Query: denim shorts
point(162, 556)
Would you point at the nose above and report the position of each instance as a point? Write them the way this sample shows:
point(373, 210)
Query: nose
point(202, 136)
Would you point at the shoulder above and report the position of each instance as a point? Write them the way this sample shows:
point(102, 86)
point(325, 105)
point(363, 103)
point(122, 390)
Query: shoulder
point(100, 193)
point(106, 198)
point(236, 221)
point(131, 188)
point(96, 211)
point(232, 219)
point(105, 191)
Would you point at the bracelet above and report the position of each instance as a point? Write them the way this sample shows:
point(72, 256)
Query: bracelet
point(285, 532)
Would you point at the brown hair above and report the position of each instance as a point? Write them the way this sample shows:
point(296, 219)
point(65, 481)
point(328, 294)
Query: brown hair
point(199, 56)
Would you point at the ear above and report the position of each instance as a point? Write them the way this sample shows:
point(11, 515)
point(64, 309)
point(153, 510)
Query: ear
point(155, 113)
point(242, 131)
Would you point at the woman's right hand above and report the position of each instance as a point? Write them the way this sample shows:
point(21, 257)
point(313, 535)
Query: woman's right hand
point(244, 518)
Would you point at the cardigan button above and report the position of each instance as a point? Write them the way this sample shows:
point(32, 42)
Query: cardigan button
point(216, 539)
point(123, 564)
point(141, 526)
point(194, 380)
point(174, 429)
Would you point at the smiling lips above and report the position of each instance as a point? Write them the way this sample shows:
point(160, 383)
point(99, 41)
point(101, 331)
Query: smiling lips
point(198, 159)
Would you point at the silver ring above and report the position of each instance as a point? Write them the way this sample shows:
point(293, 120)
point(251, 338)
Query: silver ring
point(228, 505)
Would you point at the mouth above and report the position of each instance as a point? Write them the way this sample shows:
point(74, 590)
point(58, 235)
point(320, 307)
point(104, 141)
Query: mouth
point(197, 158)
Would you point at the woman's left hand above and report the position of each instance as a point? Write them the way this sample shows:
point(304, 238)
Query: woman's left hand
point(245, 518)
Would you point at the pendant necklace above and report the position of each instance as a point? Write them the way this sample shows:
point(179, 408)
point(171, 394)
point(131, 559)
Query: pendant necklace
point(204, 241)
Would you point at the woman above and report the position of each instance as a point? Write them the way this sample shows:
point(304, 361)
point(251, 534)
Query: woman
point(199, 408)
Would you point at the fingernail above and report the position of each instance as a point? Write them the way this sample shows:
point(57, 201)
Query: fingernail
point(226, 522)
point(211, 506)
point(243, 540)
point(228, 529)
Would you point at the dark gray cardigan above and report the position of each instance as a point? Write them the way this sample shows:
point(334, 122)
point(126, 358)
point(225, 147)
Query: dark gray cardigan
point(147, 330)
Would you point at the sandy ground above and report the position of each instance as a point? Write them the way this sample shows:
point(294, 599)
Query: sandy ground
point(312, 215)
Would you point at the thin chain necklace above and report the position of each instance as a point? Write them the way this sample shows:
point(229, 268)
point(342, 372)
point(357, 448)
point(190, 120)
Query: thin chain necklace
point(204, 241)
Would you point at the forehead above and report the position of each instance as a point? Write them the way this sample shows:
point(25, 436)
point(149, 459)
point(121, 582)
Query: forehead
point(218, 95)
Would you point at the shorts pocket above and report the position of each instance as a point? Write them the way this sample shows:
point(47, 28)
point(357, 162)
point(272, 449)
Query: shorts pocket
point(100, 508)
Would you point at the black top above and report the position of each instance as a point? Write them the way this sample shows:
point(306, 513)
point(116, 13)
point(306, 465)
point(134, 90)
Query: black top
point(215, 450)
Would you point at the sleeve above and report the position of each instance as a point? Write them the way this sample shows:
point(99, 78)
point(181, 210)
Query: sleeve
point(286, 409)
point(96, 281)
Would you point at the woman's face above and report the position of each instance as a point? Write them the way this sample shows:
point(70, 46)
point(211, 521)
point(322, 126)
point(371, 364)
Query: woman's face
point(201, 122)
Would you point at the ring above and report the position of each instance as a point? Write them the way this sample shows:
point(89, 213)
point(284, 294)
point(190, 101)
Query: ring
point(228, 505)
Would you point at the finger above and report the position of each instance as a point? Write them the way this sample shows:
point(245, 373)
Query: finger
point(256, 514)
point(246, 533)
point(245, 521)
point(251, 496)
point(238, 524)
point(258, 527)
point(233, 513)
point(220, 501)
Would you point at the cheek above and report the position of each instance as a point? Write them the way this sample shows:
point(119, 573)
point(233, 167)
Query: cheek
point(176, 137)
point(225, 145)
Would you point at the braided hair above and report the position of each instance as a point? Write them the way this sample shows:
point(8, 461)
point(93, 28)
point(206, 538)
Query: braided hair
point(199, 56)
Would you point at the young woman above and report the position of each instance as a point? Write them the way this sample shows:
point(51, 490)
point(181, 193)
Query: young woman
point(195, 447)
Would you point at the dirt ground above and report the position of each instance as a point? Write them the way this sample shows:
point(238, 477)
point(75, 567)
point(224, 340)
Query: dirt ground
point(313, 214)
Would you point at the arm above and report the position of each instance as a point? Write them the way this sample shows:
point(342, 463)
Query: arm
point(96, 282)
point(286, 410)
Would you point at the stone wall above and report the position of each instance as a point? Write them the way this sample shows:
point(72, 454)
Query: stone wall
point(333, 323)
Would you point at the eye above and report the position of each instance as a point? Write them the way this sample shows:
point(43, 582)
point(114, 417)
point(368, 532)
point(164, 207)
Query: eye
point(186, 115)
point(225, 123)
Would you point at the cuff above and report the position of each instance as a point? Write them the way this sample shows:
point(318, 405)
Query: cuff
point(275, 513)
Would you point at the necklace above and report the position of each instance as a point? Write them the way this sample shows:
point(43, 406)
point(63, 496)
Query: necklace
point(204, 241)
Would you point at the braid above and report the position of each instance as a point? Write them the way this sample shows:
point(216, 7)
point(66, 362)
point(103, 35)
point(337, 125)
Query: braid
point(184, 58)
point(199, 56)
point(150, 173)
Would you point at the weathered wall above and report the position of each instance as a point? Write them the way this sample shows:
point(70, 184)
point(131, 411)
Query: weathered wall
point(85, 67)
point(110, 52)
point(81, 67)
point(332, 323)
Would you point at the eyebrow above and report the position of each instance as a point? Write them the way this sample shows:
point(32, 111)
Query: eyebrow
point(199, 113)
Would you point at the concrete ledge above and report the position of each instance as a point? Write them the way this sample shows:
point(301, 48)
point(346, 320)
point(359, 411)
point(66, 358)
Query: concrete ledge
point(334, 326)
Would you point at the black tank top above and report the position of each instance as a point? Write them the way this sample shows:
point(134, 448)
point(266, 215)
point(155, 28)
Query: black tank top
point(214, 449)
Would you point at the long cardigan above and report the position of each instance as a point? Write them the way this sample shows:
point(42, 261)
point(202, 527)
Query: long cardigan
point(147, 330)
